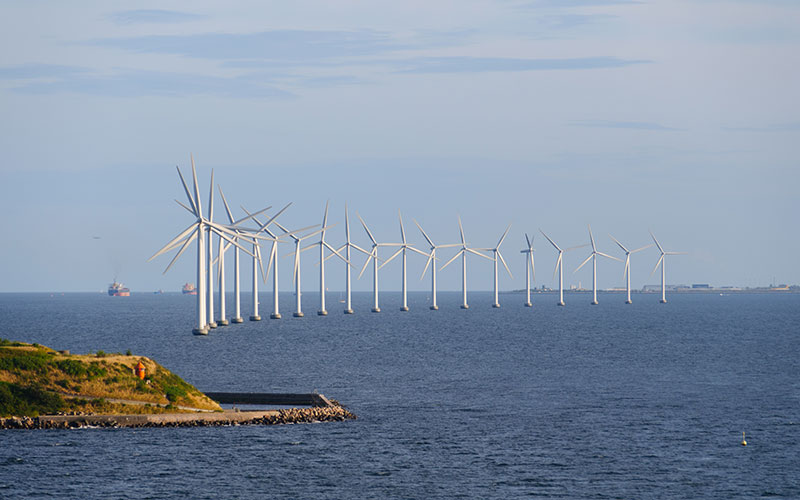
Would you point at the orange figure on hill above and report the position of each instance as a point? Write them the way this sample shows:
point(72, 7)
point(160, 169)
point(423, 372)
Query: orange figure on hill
point(139, 370)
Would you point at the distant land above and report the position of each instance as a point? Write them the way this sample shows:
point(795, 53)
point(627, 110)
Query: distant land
point(695, 288)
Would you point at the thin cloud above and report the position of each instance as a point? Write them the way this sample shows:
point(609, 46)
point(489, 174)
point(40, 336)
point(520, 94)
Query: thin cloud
point(495, 64)
point(775, 127)
point(277, 45)
point(624, 125)
point(36, 70)
point(559, 4)
point(147, 84)
point(152, 16)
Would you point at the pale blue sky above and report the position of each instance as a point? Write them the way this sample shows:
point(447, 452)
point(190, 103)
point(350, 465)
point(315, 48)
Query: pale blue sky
point(676, 116)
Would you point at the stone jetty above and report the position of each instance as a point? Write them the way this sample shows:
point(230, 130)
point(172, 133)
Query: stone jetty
point(333, 413)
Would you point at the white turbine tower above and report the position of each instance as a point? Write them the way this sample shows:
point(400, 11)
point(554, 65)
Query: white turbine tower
point(273, 255)
point(373, 256)
point(626, 274)
point(322, 246)
point(560, 266)
point(298, 313)
point(593, 257)
point(463, 253)
point(197, 231)
point(529, 269)
point(403, 247)
point(496, 254)
point(346, 247)
point(662, 260)
point(432, 258)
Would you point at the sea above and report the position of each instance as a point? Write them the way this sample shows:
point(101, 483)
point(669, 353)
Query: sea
point(621, 401)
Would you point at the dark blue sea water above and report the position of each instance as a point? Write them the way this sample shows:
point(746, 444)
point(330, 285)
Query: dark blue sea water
point(612, 401)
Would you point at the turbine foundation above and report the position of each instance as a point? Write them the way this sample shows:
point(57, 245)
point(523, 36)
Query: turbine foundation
point(200, 331)
point(237, 320)
point(629, 302)
point(528, 304)
point(434, 308)
point(298, 314)
point(255, 318)
point(464, 306)
point(223, 322)
point(560, 304)
point(322, 313)
point(496, 305)
point(348, 311)
point(663, 301)
point(376, 309)
point(275, 316)
point(404, 308)
point(594, 302)
point(212, 325)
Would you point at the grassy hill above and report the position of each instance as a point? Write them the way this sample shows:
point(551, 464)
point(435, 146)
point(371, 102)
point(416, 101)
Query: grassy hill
point(37, 380)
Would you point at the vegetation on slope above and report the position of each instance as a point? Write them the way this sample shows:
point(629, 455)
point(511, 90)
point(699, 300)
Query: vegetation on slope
point(37, 380)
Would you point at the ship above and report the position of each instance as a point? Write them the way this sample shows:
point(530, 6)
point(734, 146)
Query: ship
point(189, 289)
point(117, 289)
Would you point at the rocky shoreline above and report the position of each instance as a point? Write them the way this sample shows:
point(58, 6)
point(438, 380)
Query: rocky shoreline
point(226, 418)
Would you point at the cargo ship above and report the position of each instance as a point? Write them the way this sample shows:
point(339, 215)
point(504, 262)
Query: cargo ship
point(116, 289)
point(189, 289)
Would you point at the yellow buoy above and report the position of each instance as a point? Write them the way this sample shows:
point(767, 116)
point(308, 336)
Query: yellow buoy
point(744, 443)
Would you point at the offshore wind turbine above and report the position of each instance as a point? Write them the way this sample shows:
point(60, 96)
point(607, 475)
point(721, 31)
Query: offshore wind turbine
point(373, 257)
point(529, 269)
point(463, 253)
point(496, 254)
point(662, 260)
point(560, 267)
point(298, 313)
point(346, 247)
point(197, 230)
point(432, 258)
point(626, 274)
point(322, 246)
point(403, 247)
point(593, 257)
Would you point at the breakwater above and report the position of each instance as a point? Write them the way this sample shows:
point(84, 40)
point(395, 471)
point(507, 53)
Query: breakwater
point(217, 419)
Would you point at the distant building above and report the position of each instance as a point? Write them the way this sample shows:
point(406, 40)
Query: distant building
point(705, 286)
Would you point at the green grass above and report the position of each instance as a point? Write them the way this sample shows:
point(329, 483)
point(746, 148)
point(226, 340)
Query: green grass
point(16, 399)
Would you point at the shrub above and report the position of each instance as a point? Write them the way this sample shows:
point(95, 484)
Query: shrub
point(174, 393)
point(27, 401)
point(128, 353)
point(23, 361)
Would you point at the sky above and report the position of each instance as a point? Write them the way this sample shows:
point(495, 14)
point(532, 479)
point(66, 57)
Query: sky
point(679, 117)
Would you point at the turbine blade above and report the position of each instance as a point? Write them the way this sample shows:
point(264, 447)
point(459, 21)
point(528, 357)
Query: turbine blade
point(591, 237)
point(180, 252)
point(642, 248)
point(461, 230)
point(346, 224)
point(451, 260)
point(505, 265)
point(584, 263)
point(402, 229)
point(390, 258)
point(416, 250)
point(335, 252)
point(657, 263)
point(359, 249)
point(609, 256)
point(366, 263)
point(676, 253)
point(551, 241)
point(430, 242)
point(576, 247)
point(656, 241)
point(470, 250)
point(558, 263)
point(503, 237)
point(533, 268)
point(168, 246)
point(225, 204)
point(627, 265)
point(186, 189)
point(211, 198)
point(620, 244)
point(187, 208)
point(366, 229)
point(196, 189)
point(254, 214)
point(428, 263)
point(527, 240)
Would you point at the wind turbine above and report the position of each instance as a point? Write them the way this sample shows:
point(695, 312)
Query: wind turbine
point(373, 256)
point(560, 267)
point(593, 257)
point(403, 247)
point(463, 253)
point(432, 258)
point(273, 256)
point(497, 254)
point(197, 230)
point(322, 246)
point(297, 239)
point(662, 260)
point(626, 274)
point(528, 270)
point(346, 247)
